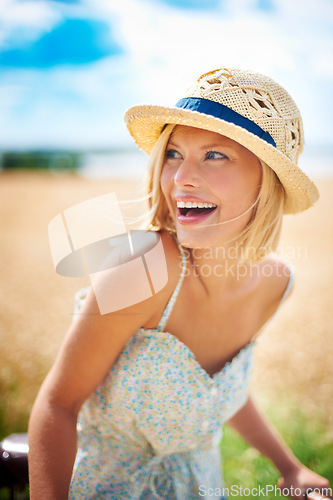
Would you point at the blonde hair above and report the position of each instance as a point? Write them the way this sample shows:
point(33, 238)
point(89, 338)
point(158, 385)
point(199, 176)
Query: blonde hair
point(261, 235)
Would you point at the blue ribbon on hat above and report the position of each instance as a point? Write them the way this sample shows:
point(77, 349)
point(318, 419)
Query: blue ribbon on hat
point(224, 113)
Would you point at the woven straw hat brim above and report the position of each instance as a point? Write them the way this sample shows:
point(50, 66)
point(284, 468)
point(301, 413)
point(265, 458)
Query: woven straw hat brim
point(145, 123)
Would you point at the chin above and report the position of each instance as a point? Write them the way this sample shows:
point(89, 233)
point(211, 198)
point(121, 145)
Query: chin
point(196, 239)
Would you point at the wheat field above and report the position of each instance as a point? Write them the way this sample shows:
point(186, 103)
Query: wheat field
point(294, 354)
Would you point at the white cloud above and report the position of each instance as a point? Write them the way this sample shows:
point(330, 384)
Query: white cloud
point(165, 49)
point(324, 65)
point(9, 96)
point(311, 10)
point(25, 21)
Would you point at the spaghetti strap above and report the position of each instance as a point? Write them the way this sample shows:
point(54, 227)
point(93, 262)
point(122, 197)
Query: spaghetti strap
point(290, 283)
point(172, 300)
point(287, 290)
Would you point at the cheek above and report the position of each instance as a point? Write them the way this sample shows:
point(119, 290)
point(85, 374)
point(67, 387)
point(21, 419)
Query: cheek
point(248, 181)
point(225, 184)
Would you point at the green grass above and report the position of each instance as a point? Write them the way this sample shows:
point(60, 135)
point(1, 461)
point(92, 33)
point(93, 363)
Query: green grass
point(309, 440)
point(22, 494)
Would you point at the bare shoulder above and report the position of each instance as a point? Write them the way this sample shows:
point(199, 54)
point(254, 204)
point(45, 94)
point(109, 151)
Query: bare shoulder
point(122, 300)
point(275, 277)
point(134, 279)
point(173, 261)
point(173, 257)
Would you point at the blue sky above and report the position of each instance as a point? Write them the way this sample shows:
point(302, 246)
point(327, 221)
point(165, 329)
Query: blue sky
point(69, 69)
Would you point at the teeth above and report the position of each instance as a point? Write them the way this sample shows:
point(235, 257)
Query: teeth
point(194, 204)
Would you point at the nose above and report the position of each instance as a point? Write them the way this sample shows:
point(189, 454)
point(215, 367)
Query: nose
point(187, 173)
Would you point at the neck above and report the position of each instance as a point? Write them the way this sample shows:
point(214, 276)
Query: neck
point(220, 268)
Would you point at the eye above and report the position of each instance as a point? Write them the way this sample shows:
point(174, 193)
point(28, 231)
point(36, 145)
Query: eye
point(172, 154)
point(215, 155)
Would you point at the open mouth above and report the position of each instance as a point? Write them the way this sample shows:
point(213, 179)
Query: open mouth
point(195, 209)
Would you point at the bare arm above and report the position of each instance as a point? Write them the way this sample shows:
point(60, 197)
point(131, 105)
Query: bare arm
point(91, 347)
point(251, 424)
point(259, 433)
point(52, 442)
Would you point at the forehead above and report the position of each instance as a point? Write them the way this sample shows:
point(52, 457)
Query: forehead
point(183, 132)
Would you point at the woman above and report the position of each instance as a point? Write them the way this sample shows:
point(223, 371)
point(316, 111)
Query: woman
point(153, 383)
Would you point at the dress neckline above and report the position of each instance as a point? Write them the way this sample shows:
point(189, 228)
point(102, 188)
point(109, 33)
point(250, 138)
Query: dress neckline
point(168, 309)
point(169, 337)
point(180, 343)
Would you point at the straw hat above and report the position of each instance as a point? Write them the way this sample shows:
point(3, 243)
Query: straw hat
point(247, 107)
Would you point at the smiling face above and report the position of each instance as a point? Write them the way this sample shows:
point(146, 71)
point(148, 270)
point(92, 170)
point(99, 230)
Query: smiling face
point(208, 179)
